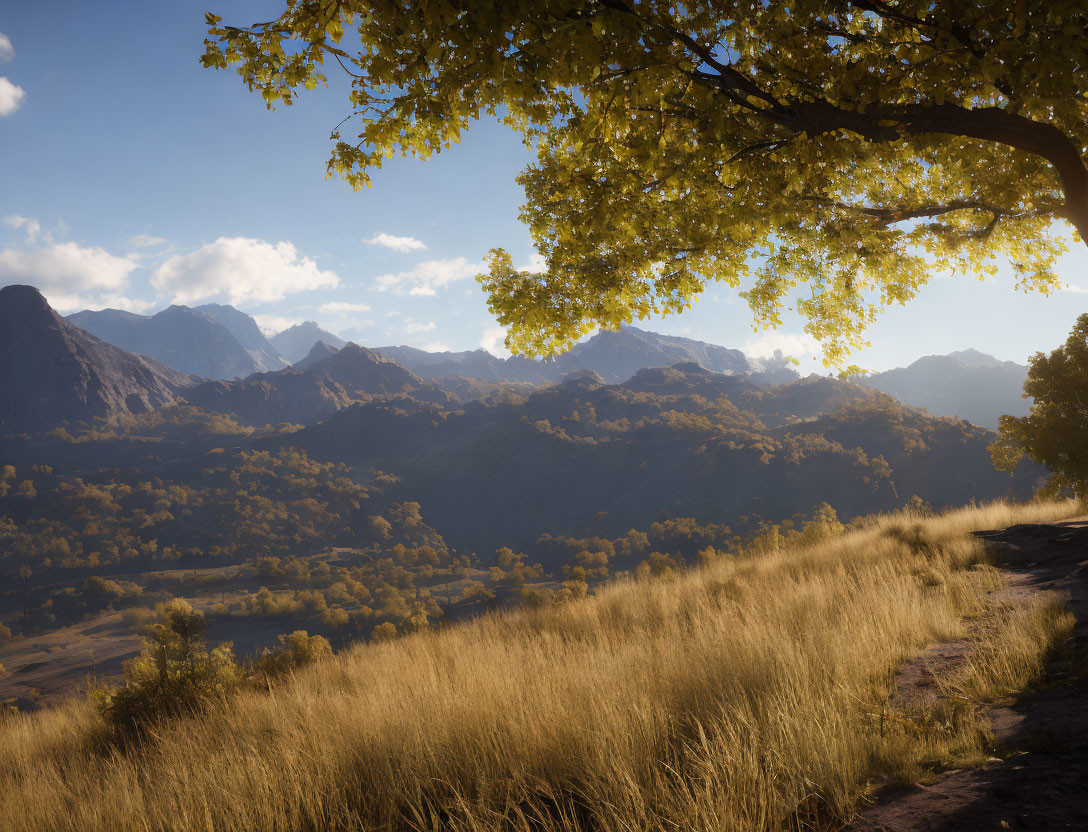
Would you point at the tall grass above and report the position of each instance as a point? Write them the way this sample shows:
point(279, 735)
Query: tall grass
point(737, 696)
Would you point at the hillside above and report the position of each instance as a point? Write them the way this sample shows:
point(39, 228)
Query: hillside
point(188, 340)
point(587, 458)
point(53, 372)
point(968, 384)
point(742, 695)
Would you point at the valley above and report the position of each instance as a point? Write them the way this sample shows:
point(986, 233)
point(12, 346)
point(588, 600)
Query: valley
point(350, 495)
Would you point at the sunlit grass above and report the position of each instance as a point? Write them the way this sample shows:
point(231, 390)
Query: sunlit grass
point(737, 696)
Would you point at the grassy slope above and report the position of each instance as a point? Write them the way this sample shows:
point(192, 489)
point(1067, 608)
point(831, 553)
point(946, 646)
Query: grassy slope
point(736, 696)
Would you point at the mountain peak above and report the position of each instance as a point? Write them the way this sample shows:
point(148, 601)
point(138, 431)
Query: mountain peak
point(318, 352)
point(971, 357)
point(53, 372)
point(245, 330)
point(24, 297)
point(295, 342)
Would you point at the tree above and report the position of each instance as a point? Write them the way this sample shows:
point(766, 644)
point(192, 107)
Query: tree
point(855, 146)
point(1055, 432)
point(174, 674)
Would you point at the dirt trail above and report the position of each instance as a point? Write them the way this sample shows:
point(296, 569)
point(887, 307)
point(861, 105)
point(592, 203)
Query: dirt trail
point(1043, 784)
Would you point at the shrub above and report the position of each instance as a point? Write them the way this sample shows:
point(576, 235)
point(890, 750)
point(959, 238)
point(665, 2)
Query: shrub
point(384, 631)
point(136, 618)
point(292, 652)
point(174, 673)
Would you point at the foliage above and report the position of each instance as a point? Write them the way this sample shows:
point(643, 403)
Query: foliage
point(1055, 432)
point(173, 675)
point(855, 147)
point(291, 652)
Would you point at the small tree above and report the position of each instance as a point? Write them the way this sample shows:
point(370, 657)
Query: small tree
point(1055, 432)
point(174, 673)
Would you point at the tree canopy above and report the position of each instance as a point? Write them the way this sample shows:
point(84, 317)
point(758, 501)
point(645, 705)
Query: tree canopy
point(1055, 433)
point(829, 154)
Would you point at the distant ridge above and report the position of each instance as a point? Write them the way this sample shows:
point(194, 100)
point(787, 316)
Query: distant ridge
point(189, 340)
point(614, 356)
point(248, 334)
point(326, 381)
point(969, 384)
point(295, 343)
point(52, 372)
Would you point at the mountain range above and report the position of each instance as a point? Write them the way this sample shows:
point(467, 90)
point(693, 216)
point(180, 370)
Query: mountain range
point(614, 356)
point(324, 382)
point(201, 341)
point(264, 380)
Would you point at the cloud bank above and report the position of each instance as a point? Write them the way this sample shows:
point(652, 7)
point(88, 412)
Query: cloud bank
point(240, 269)
point(789, 343)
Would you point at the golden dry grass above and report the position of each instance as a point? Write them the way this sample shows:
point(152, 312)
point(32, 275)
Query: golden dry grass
point(739, 696)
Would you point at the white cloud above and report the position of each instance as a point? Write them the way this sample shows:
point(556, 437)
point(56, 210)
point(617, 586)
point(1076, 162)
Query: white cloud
point(66, 268)
point(536, 264)
point(145, 241)
point(789, 343)
point(402, 244)
point(340, 307)
point(72, 277)
point(428, 277)
point(66, 304)
point(240, 269)
point(413, 328)
point(494, 341)
point(273, 324)
point(11, 97)
point(436, 346)
point(29, 225)
point(7, 51)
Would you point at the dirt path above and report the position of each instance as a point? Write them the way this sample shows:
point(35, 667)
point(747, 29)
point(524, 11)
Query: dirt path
point(1043, 784)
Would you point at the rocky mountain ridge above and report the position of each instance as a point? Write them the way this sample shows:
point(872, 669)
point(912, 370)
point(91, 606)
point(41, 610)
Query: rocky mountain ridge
point(52, 372)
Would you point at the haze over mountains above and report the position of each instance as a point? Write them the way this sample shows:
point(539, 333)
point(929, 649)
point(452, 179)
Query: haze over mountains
point(267, 380)
point(296, 342)
point(191, 340)
point(969, 384)
point(312, 389)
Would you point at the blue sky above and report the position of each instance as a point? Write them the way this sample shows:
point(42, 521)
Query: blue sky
point(131, 177)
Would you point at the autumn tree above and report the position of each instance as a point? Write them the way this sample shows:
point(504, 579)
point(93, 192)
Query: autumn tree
point(828, 154)
point(1055, 432)
point(174, 673)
